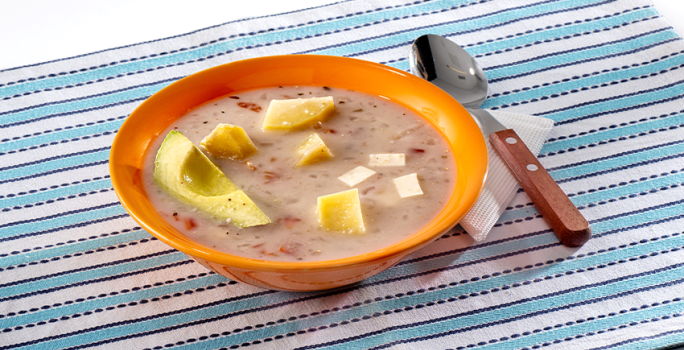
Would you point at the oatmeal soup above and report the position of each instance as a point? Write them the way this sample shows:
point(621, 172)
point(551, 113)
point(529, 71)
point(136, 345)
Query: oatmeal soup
point(362, 174)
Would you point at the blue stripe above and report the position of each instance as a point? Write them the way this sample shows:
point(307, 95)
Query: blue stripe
point(621, 168)
point(635, 42)
point(616, 155)
point(167, 314)
point(57, 137)
point(107, 301)
point(68, 107)
point(618, 161)
point(636, 98)
point(604, 323)
point(24, 227)
point(55, 194)
point(50, 116)
point(626, 191)
point(16, 289)
point(65, 169)
point(615, 133)
point(549, 33)
point(63, 228)
point(59, 199)
point(53, 163)
point(52, 187)
point(591, 82)
point(44, 255)
point(660, 340)
point(48, 131)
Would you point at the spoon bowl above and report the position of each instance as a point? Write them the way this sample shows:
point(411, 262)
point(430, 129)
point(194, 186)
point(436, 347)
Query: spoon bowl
point(459, 75)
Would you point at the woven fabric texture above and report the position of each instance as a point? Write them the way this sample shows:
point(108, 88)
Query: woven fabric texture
point(76, 272)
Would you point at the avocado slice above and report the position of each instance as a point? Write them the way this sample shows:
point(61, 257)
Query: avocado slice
point(183, 171)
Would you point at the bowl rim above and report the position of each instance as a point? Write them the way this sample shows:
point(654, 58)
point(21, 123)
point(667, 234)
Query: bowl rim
point(405, 246)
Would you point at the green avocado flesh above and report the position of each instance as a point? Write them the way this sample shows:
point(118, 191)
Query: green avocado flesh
point(183, 171)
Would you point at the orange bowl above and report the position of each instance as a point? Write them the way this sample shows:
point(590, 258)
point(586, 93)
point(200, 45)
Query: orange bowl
point(155, 114)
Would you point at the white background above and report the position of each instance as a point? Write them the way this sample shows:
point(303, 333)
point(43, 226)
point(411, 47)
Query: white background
point(33, 31)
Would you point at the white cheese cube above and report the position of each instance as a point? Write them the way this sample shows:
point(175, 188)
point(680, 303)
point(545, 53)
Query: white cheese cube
point(356, 175)
point(408, 185)
point(390, 159)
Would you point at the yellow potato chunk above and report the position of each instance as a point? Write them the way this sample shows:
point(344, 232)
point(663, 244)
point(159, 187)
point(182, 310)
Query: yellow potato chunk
point(341, 212)
point(297, 113)
point(313, 150)
point(229, 141)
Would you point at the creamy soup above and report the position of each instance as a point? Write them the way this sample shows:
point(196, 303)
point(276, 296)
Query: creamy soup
point(361, 125)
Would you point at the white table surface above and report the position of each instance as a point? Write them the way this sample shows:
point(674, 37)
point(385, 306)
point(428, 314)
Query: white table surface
point(35, 31)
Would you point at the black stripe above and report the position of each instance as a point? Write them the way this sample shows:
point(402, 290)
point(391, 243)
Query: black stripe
point(56, 143)
point(61, 156)
point(75, 99)
point(577, 49)
point(584, 88)
point(72, 241)
point(675, 113)
point(121, 323)
point(72, 254)
point(617, 155)
point(640, 339)
point(86, 165)
point(69, 127)
point(620, 110)
point(587, 60)
point(89, 268)
point(620, 168)
point(62, 228)
point(55, 200)
point(614, 97)
point(625, 137)
point(85, 110)
point(54, 216)
point(53, 187)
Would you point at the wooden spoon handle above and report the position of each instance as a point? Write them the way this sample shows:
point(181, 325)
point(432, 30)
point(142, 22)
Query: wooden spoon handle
point(567, 222)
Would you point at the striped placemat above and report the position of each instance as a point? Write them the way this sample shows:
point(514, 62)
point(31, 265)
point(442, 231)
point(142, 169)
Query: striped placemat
point(77, 272)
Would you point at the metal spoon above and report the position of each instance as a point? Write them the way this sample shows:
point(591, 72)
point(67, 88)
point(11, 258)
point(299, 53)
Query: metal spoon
point(451, 68)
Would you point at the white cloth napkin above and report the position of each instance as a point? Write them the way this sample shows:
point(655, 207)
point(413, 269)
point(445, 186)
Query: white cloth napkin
point(501, 186)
